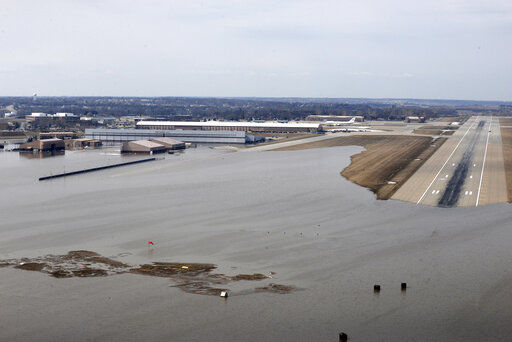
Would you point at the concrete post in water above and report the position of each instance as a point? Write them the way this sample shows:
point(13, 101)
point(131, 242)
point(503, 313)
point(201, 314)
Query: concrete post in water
point(343, 337)
point(224, 294)
point(376, 288)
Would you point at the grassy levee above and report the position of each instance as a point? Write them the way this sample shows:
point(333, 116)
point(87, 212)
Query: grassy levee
point(387, 163)
point(506, 142)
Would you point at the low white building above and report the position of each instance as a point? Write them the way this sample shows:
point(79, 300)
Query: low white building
point(10, 114)
point(64, 115)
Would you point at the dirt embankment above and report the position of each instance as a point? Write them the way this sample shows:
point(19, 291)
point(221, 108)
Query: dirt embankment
point(387, 163)
point(506, 142)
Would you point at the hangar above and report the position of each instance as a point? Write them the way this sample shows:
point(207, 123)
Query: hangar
point(142, 146)
point(44, 145)
point(169, 143)
point(255, 127)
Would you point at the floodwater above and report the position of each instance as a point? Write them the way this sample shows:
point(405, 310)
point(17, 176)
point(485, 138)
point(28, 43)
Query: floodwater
point(288, 212)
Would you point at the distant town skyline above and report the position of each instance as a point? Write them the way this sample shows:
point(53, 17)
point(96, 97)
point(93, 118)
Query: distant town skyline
point(338, 49)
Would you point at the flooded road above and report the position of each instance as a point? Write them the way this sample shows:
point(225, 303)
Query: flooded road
point(287, 212)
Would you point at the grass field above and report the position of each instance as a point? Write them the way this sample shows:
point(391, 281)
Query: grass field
point(434, 130)
point(389, 160)
point(506, 141)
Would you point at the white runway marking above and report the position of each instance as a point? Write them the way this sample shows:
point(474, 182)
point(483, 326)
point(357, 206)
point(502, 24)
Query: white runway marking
point(483, 165)
point(433, 192)
point(446, 162)
point(471, 192)
point(467, 192)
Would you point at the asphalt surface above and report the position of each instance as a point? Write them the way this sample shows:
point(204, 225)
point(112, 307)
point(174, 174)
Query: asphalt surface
point(468, 170)
point(454, 186)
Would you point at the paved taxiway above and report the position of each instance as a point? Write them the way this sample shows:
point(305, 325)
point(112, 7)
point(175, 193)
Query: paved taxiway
point(468, 170)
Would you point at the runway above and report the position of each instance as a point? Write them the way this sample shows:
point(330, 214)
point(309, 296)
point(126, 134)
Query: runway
point(468, 170)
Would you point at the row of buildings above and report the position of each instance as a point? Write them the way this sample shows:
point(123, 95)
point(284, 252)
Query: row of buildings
point(188, 136)
point(223, 132)
point(245, 126)
point(46, 115)
point(358, 118)
point(156, 145)
point(56, 144)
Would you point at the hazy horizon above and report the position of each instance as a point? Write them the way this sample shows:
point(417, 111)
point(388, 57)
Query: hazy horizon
point(456, 50)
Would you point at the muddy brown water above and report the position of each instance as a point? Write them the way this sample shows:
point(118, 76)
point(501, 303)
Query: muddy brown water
point(286, 212)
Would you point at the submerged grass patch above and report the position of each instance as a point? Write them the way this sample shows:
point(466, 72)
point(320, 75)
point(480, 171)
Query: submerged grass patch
point(194, 278)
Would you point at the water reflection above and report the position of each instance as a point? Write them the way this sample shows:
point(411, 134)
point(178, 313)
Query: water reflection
point(41, 155)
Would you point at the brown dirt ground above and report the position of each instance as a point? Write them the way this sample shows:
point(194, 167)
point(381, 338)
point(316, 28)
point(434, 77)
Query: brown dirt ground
point(88, 256)
point(462, 118)
point(506, 141)
point(31, 266)
point(189, 277)
point(506, 121)
point(434, 130)
point(387, 158)
point(428, 131)
point(276, 288)
point(255, 276)
point(200, 287)
point(430, 127)
point(167, 269)
point(90, 272)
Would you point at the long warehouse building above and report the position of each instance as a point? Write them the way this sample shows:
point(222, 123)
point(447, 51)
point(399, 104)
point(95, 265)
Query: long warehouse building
point(191, 136)
point(358, 118)
point(254, 127)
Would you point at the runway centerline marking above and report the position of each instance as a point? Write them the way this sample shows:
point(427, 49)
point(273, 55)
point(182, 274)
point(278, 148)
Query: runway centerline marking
point(446, 162)
point(483, 165)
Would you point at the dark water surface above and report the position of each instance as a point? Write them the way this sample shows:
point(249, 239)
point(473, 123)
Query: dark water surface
point(287, 212)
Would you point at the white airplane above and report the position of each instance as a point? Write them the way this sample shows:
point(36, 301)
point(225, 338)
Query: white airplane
point(354, 129)
point(340, 123)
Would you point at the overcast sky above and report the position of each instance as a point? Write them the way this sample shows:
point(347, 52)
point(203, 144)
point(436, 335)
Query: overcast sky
point(360, 48)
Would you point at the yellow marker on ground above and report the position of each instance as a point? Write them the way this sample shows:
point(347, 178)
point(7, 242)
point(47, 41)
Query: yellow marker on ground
point(185, 267)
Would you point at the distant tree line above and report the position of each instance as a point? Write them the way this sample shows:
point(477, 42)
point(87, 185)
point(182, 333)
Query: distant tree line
point(188, 108)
